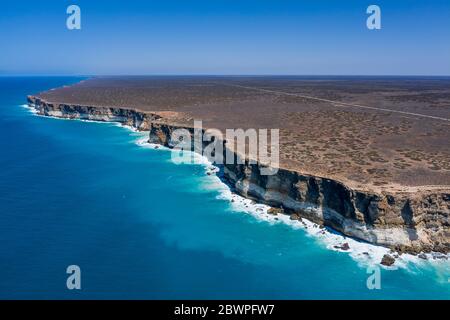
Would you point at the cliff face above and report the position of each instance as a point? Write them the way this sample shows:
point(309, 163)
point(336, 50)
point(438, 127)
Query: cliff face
point(415, 221)
point(409, 222)
point(137, 119)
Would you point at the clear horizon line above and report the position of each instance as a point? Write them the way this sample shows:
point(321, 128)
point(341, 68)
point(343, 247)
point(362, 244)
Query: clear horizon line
point(218, 75)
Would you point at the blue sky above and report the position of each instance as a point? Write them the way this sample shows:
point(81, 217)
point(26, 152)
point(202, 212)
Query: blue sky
point(316, 37)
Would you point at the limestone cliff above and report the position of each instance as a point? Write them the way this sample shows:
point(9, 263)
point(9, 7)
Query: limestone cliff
point(410, 222)
point(405, 221)
point(127, 116)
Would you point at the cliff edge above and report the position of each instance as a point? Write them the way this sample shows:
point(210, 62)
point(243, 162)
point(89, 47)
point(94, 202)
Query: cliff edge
point(409, 221)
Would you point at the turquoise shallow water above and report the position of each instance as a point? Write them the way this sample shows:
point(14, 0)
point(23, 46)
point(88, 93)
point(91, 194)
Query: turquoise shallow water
point(74, 192)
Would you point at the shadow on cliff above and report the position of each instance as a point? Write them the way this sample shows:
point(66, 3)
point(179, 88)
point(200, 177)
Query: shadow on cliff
point(408, 219)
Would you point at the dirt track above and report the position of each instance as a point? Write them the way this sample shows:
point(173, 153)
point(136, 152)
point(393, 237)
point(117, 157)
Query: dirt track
point(384, 133)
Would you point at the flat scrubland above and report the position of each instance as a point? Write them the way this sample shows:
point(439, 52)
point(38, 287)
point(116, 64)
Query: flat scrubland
point(370, 132)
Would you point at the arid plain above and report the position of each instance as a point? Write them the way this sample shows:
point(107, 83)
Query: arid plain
point(368, 132)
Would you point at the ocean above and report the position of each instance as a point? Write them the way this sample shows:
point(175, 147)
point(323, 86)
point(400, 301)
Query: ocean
point(141, 227)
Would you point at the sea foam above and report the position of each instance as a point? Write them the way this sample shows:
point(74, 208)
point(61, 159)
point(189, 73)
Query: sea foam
point(365, 254)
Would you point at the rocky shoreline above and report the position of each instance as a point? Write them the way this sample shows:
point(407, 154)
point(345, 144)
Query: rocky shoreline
point(407, 222)
point(127, 116)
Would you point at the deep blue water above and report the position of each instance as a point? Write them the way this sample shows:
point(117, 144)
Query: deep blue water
point(139, 226)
